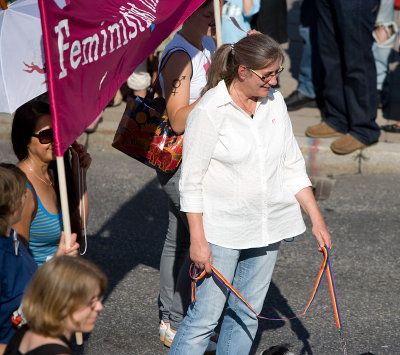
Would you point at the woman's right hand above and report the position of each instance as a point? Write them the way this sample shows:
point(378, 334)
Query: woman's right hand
point(200, 254)
point(62, 247)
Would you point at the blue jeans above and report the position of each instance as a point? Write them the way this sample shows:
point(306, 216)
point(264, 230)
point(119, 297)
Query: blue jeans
point(250, 272)
point(306, 84)
point(382, 50)
point(345, 41)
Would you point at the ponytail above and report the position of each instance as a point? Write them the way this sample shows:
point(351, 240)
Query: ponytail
point(256, 51)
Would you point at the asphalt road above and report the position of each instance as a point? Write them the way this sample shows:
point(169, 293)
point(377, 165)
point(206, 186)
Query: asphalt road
point(127, 224)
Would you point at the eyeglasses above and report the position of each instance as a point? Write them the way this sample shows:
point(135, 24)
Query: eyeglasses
point(93, 302)
point(267, 77)
point(45, 136)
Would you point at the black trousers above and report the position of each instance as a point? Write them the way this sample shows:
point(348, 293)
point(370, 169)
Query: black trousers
point(345, 47)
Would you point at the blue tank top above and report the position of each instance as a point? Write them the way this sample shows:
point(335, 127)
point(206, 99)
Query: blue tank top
point(44, 233)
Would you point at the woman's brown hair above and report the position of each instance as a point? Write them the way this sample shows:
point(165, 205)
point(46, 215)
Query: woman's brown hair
point(256, 51)
point(12, 188)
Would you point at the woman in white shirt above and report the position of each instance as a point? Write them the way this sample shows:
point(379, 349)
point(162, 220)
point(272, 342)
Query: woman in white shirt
point(242, 184)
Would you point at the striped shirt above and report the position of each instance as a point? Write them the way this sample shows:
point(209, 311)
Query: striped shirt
point(44, 233)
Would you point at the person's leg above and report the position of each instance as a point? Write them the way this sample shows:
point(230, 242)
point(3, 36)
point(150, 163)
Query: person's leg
point(306, 86)
point(355, 23)
point(175, 249)
point(304, 95)
point(202, 316)
point(181, 298)
point(329, 50)
point(252, 279)
point(384, 36)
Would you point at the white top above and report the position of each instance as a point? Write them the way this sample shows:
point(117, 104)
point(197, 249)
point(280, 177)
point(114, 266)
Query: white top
point(200, 62)
point(242, 173)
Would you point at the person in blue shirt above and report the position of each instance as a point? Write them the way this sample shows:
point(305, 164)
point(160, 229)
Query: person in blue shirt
point(16, 264)
point(242, 11)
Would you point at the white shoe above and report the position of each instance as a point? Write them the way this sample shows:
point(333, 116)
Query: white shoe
point(169, 337)
point(163, 328)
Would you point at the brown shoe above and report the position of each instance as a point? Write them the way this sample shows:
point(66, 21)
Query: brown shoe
point(322, 130)
point(346, 144)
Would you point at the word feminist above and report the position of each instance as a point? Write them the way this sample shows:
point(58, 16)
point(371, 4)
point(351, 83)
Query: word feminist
point(85, 51)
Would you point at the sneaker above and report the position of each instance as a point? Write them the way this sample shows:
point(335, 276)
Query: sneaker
point(347, 144)
point(163, 328)
point(169, 337)
point(322, 130)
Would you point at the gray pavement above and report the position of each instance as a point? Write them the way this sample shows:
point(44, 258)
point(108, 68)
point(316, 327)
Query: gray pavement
point(127, 224)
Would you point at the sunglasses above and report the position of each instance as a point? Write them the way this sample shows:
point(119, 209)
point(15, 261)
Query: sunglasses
point(45, 136)
point(268, 76)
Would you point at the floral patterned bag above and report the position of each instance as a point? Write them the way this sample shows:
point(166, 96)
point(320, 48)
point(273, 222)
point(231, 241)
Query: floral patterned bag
point(145, 133)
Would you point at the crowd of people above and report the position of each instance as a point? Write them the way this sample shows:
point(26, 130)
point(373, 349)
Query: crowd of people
point(237, 194)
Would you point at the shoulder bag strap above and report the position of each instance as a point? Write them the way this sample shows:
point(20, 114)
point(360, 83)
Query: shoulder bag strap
point(166, 59)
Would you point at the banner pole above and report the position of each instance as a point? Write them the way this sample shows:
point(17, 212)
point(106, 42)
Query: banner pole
point(217, 16)
point(65, 215)
point(64, 200)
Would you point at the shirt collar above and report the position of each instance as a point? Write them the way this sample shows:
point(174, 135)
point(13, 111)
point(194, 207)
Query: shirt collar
point(224, 98)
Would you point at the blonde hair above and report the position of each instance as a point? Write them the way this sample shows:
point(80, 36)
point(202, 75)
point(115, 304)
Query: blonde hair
point(12, 188)
point(256, 51)
point(59, 288)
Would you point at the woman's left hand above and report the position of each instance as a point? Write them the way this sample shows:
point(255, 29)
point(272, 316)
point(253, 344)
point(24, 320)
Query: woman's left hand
point(322, 235)
point(84, 157)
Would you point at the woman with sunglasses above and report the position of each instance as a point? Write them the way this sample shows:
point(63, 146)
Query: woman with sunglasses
point(64, 297)
point(242, 184)
point(41, 223)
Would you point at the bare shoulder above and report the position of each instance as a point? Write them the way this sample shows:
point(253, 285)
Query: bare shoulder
point(176, 63)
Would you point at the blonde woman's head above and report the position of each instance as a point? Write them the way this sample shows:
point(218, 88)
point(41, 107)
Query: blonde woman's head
point(61, 291)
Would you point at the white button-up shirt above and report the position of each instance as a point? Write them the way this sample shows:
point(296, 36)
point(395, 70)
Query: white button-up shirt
point(242, 173)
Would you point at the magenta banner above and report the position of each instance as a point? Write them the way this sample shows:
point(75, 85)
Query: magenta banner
point(92, 46)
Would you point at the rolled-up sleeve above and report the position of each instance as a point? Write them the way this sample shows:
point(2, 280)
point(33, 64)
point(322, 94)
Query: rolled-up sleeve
point(198, 146)
point(295, 175)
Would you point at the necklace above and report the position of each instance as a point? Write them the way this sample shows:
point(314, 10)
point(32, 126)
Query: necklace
point(245, 107)
point(48, 183)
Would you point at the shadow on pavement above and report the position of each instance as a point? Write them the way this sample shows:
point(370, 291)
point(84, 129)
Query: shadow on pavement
point(276, 306)
point(133, 235)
